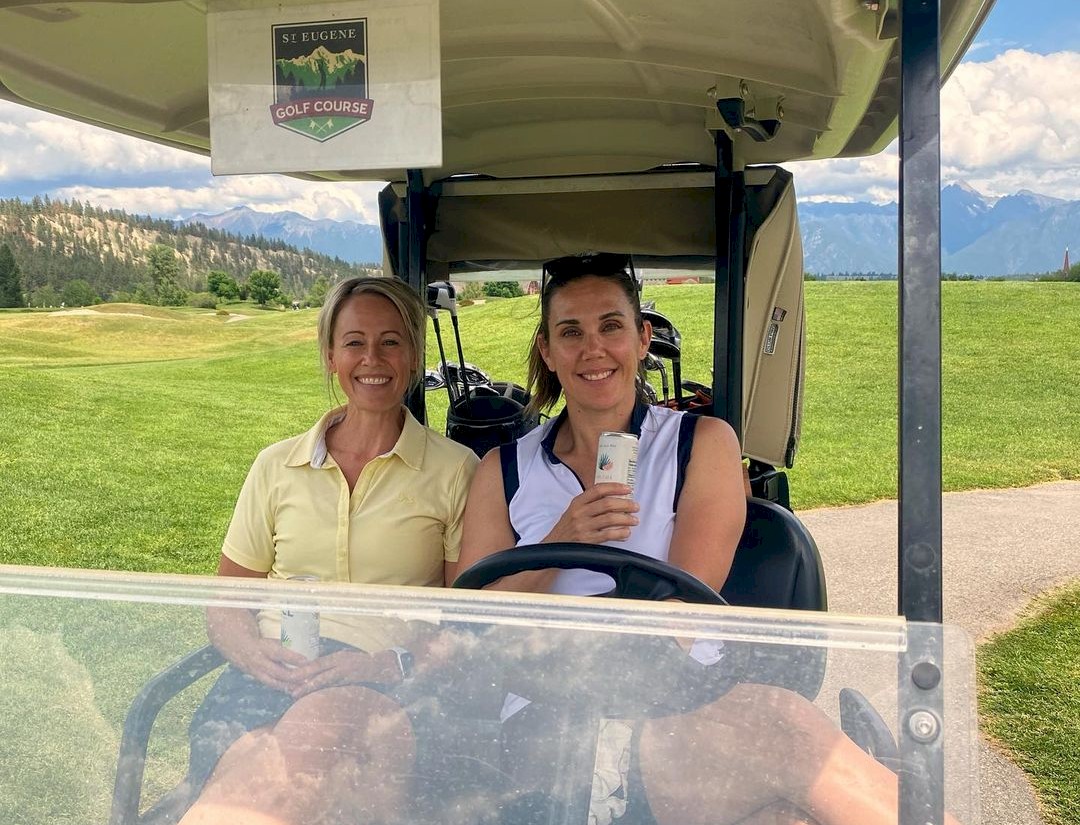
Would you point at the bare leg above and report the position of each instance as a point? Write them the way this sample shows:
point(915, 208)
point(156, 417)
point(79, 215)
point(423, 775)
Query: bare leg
point(754, 748)
point(338, 755)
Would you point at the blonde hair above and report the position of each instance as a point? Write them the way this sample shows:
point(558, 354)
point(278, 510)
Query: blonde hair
point(397, 292)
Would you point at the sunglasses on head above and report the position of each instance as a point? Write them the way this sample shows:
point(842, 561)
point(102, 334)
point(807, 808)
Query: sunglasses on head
point(597, 263)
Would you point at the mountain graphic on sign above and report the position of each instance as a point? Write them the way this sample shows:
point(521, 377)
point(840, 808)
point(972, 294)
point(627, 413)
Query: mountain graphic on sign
point(322, 70)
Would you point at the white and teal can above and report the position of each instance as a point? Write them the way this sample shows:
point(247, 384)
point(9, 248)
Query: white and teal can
point(300, 628)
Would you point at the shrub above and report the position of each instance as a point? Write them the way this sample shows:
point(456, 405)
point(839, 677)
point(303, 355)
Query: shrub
point(503, 289)
point(203, 300)
point(471, 291)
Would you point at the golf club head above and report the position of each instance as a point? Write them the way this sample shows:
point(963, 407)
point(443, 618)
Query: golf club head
point(441, 295)
point(475, 376)
point(433, 380)
point(651, 363)
point(666, 340)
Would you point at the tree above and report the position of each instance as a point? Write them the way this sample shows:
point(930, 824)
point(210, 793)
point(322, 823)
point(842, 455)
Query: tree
point(222, 284)
point(164, 271)
point(1073, 274)
point(10, 283)
point(45, 296)
point(264, 286)
point(502, 289)
point(78, 293)
point(317, 294)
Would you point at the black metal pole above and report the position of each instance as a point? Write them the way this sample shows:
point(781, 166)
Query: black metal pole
point(729, 290)
point(414, 258)
point(920, 668)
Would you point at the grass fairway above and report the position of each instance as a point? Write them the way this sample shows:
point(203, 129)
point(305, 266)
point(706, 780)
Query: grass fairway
point(127, 434)
point(1030, 700)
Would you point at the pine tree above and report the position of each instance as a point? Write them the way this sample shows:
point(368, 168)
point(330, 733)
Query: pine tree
point(10, 284)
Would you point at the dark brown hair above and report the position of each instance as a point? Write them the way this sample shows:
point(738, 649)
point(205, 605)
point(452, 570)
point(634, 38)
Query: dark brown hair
point(544, 385)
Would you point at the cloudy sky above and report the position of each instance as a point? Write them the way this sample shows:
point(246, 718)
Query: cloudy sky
point(1011, 121)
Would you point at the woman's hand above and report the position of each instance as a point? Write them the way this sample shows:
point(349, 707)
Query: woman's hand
point(600, 514)
point(269, 662)
point(346, 667)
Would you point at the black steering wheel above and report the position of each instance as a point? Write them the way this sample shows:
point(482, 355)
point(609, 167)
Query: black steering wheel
point(636, 576)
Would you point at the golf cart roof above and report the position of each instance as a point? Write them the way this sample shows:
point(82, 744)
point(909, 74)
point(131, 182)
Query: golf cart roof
point(562, 87)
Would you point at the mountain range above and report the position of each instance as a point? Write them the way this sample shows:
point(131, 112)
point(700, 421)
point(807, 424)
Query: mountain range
point(1016, 235)
point(350, 241)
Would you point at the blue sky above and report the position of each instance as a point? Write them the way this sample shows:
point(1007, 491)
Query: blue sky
point(1011, 121)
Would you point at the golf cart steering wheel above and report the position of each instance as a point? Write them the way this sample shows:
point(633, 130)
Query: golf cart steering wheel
point(636, 576)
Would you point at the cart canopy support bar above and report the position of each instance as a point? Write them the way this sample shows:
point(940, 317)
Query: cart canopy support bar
point(921, 722)
point(729, 297)
point(413, 252)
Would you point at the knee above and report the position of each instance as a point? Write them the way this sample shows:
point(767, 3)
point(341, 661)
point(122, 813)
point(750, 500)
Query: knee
point(347, 719)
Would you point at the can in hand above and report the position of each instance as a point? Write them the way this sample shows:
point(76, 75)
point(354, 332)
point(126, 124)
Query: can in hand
point(616, 459)
point(300, 628)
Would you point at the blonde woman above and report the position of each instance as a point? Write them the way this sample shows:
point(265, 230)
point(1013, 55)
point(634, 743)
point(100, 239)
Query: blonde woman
point(368, 495)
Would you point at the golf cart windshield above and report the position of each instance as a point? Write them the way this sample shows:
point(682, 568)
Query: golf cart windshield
point(584, 676)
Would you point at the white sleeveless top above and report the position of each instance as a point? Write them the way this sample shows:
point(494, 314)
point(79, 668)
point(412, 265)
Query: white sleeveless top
point(540, 487)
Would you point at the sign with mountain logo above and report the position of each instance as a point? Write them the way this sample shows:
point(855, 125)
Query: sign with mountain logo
point(320, 77)
point(351, 86)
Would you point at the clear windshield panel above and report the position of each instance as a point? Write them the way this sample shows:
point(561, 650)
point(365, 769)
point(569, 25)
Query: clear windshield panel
point(512, 709)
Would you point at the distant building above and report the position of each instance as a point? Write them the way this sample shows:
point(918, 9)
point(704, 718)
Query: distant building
point(1066, 267)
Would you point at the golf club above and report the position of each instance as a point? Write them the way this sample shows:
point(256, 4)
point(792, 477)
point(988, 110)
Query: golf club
point(441, 295)
point(434, 313)
point(667, 343)
point(654, 364)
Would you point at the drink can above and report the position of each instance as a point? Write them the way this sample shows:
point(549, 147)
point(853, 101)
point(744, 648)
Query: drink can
point(616, 458)
point(300, 628)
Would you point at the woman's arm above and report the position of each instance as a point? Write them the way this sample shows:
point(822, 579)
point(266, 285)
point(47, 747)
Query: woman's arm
point(487, 529)
point(235, 632)
point(712, 506)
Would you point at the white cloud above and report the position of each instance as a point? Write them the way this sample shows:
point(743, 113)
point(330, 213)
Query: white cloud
point(339, 201)
point(1012, 123)
point(41, 146)
point(111, 167)
point(1007, 124)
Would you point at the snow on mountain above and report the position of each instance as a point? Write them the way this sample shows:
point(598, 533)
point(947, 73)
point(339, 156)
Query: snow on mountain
point(349, 240)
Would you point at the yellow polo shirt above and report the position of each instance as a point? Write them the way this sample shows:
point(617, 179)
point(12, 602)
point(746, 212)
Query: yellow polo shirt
point(295, 516)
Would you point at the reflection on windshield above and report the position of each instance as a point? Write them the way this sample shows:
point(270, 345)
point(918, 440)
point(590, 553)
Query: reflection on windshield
point(512, 710)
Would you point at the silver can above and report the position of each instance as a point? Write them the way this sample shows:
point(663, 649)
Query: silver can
point(616, 459)
point(300, 628)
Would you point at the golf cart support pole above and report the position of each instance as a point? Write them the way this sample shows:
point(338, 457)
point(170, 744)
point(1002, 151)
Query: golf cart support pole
point(414, 256)
point(729, 195)
point(921, 695)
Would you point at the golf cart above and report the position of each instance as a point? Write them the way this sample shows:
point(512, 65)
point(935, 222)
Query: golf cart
point(533, 131)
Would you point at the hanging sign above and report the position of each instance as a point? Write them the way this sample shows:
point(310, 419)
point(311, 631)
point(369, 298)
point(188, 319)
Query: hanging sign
point(324, 87)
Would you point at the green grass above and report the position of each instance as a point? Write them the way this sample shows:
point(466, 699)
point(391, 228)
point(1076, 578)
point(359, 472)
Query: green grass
point(1030, 700)
point(126, 436)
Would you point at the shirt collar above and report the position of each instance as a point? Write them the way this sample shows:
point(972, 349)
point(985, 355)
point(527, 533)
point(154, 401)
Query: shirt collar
point(311, 448)
point(637, 418)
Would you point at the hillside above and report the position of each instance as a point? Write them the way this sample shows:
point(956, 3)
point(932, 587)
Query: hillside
point(57, 242)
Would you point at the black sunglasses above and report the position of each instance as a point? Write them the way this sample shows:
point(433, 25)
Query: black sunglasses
point(597, 263)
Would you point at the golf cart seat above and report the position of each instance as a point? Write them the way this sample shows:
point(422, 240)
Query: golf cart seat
point(777, 563)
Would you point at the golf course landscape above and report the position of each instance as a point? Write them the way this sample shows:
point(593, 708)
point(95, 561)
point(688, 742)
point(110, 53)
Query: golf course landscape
point(126, 432)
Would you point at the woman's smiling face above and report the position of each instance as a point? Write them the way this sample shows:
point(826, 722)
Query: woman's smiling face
point(371, 354)
point(593, 344)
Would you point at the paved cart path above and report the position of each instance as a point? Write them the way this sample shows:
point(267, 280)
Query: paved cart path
point(1001, 549)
